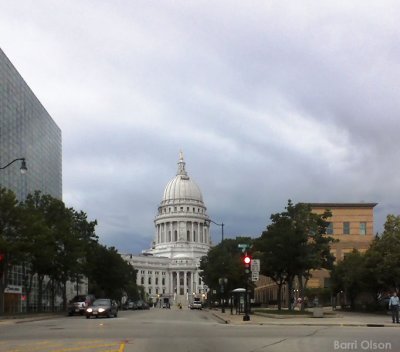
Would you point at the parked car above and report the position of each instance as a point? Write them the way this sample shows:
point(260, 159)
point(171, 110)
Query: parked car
point(129, 304)
point(103, 307)
point(79, 304)
point(142, 305)
point(196, 304)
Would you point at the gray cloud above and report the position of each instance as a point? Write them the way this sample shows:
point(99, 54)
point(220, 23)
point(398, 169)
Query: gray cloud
point(268, 100)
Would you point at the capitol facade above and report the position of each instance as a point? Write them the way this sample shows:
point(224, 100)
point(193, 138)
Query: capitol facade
point(182, 237)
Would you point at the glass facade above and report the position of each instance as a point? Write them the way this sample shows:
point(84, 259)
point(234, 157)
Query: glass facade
point(27, 131)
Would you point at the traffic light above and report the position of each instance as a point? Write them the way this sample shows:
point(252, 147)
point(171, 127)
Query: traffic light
point(247, 262)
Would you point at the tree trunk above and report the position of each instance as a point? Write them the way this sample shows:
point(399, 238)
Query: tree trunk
point(280, 295)
point(301, 291)
point(3, 284)
point(290, 293)
point(40, 293)
point(53, 294)
point(64, 295)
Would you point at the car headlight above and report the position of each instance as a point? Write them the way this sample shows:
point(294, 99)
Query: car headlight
point(89, 310)
point(101, 310)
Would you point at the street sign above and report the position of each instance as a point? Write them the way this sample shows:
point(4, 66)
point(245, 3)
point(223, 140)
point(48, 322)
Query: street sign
point(255, 265)
point(243, 247)
point(255, 276)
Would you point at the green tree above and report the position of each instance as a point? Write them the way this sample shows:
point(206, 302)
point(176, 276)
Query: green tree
point(224, 261)
point(10, 228)
point(350, 276)
point(294, 244)
point(383, 259)
point(108, 273)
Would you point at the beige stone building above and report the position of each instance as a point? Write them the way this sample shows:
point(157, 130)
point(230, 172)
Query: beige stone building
point(351, 223)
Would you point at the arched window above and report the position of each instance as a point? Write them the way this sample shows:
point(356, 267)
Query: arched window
point(194, 236)
point(169, 236)
point(188, 235)
point(175, 235)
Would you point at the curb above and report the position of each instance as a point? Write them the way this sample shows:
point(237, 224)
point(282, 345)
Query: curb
point(222, 320)
point(278, 323)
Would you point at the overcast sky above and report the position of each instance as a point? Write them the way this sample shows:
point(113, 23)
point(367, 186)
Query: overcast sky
point(268, 100)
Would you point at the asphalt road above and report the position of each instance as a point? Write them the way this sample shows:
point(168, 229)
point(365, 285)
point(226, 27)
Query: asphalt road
point(162, 330)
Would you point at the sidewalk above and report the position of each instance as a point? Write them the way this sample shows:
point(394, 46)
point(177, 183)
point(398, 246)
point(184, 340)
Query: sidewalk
point(24, 318)
point(336, 318)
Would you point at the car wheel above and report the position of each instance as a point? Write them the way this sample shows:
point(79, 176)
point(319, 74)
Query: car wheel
point(116, 314)
point(87, 317)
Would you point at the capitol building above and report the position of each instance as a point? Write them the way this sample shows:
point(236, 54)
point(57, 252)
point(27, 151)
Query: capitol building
point(182, 237)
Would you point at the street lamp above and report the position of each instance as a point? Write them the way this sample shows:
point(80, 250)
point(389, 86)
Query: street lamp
point(222, 281)
point(23, 167)
point(221, 225)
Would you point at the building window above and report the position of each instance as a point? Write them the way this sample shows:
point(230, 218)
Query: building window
point(149, 291)
point(188, 235)
point(363, 228)
point(175, 235)
point(199, 281)
point(346, 228)
point(142, 280)
point(156, 280)
point(163, 281)
point(329, 229)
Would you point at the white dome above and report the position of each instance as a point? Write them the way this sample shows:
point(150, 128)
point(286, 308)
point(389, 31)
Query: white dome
point(182, 187)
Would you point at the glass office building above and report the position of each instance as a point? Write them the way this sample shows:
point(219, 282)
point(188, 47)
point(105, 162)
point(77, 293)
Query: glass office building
point(27, 131)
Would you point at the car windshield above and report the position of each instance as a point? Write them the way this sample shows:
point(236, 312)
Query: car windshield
point(79, 299)
point(102, 302)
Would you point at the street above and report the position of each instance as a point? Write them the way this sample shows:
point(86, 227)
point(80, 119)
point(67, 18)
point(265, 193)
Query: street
point(185, 331)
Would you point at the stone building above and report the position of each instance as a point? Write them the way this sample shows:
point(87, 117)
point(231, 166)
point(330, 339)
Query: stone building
point(171, 267)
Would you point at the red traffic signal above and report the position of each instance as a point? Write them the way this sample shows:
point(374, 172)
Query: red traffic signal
point(246, 259)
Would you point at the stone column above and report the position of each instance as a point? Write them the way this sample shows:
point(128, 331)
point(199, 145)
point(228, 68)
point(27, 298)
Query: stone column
point(185, 282)
point(170, 282)
point(178, 283)
point(191, 234)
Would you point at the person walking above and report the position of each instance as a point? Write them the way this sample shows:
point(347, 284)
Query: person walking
point(394, 307)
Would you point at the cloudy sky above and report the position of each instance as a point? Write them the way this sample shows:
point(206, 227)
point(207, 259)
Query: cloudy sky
point(268, 100)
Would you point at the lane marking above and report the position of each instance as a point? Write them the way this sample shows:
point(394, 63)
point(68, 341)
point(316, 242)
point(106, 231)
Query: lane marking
point(122, 347)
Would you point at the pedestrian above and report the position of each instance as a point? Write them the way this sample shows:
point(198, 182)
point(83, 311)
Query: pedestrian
point(394, 307)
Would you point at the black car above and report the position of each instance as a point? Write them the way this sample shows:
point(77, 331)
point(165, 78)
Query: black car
point(103, 307)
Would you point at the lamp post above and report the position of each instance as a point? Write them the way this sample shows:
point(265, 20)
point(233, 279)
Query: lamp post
point(23, 167)
point(222, 281)
point(222, 228)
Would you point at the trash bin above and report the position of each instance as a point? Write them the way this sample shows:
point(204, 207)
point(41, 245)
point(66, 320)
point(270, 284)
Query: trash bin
point(318, 312)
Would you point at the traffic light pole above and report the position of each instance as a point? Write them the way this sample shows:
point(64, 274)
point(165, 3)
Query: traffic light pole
point(247, 262)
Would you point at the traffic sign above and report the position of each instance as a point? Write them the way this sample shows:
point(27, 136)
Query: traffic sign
point(255, 276)
point(255, 265)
